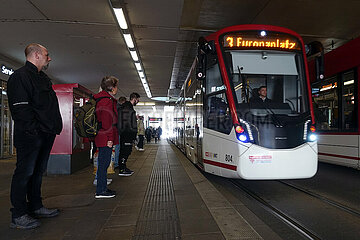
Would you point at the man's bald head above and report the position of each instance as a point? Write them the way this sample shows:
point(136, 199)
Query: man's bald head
point(33, 48)
point(37, 55)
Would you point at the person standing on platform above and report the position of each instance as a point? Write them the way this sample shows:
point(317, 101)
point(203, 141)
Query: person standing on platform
point(107, 136)
point(159, 129)
point(148, 134)
point(35, 110)
point(141, 133)
point(127, 126)
point(117, 146)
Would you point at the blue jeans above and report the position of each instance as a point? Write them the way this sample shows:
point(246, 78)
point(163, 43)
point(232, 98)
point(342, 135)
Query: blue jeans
point(32, 153)
point(117, 152)
point(104, 159)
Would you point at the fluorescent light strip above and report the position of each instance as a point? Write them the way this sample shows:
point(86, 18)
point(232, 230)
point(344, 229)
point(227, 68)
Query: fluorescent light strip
point(138, 66)
point(326, 88)
point(349, 82)
point(120, 18)
point(141, 74)
point(128, 40)
point(134, 56)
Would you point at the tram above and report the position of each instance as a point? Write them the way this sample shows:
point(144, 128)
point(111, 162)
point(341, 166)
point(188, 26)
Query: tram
point(220, 125)
point(336, 98)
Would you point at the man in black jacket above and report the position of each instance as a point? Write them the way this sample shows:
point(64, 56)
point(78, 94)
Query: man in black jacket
point(262, 91)
point(35, 110)
point(127, 126)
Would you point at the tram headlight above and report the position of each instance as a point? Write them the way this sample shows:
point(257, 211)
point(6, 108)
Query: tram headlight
point(243, 138)
point(312, 137)
point(243, 132)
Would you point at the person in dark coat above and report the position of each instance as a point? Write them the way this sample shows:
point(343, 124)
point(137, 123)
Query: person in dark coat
point(148, 134)
point(117, 146)
point(35, 110)
point(262, 91)
point(127, 126)
point(107, 116)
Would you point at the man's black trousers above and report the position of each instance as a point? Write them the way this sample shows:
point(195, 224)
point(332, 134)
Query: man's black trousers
point(32, 150)
point(125, 151)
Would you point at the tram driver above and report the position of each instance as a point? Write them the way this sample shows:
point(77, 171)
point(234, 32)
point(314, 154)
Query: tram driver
point(262, 96)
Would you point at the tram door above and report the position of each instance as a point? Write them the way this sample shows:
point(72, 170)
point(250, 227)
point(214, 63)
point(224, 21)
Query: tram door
point(191, 127)
point(199, 121)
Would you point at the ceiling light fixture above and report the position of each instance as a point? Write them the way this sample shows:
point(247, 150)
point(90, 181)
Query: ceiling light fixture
point(128, 40)
point(141, 74)
point(134, 56)
point(125, 28)
point(138, 66)
point(120, 18)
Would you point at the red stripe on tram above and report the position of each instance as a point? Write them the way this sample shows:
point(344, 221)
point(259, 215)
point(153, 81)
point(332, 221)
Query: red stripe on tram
point(339, 156)
point(222, 165)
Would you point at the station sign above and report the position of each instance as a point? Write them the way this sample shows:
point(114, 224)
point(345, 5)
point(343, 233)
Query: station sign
point(6, 70)
point(152, 119)
point(178, 119)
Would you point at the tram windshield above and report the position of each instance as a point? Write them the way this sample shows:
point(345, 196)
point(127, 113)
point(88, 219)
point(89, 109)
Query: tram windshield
point(268, 82)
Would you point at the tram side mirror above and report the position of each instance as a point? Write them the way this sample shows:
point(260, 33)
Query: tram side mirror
point(204, 48)
point(319, 66)
point(200, 68)
point(315, 50)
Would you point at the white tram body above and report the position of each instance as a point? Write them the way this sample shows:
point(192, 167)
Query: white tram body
point(340, 149)
point(225, 131)
point(228, 158)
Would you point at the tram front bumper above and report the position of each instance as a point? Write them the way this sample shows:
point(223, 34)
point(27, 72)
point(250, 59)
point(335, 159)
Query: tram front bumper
point(259, 163)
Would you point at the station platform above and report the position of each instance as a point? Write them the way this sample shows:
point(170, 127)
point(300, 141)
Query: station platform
point(166, 198)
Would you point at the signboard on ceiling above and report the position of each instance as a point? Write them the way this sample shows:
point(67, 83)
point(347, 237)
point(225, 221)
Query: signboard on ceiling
point(155, 120)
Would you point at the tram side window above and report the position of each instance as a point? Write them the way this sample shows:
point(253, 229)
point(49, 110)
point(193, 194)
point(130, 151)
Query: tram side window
point(348, 101)
point(326, 107)
point(218, 115)
point(334, 103)
point(214, 82)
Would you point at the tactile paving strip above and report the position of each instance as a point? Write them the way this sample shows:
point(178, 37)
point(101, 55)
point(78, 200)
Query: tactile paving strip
point(159, 218)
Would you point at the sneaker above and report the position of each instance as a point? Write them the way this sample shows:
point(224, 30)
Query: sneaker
point(111, 191)
point(129, 170)
point(24, 222)
point(106, 194)
point(125, 172)
point(44, 212)
point(108, 181)
point(141, 149)
point(137, 148)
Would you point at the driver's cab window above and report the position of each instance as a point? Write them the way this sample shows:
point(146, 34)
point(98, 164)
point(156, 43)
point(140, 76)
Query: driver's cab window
point(217, 111)
point(273, 83)
point(268, 91)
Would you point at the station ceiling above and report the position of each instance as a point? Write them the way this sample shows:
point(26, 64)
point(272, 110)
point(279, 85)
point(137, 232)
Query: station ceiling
point(85, 42)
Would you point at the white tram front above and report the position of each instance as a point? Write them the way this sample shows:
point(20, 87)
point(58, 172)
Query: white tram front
point(227, 129)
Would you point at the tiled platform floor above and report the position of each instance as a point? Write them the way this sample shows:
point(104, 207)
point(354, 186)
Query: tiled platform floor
point(197, 210)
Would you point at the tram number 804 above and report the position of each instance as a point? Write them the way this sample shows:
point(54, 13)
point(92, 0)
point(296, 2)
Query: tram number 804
point(228, 158)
